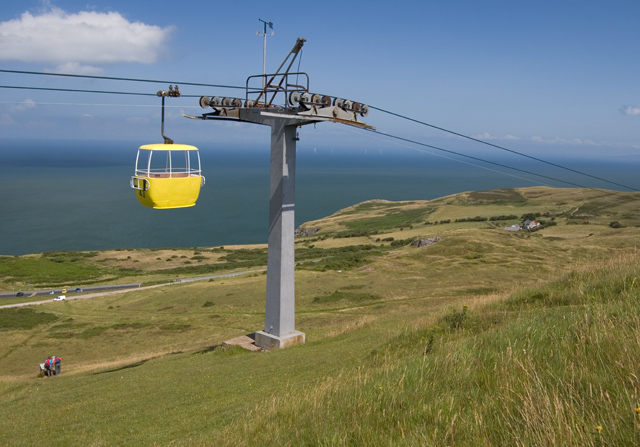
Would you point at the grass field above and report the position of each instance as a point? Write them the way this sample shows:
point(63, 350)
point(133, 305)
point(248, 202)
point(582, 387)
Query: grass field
point(486, 337)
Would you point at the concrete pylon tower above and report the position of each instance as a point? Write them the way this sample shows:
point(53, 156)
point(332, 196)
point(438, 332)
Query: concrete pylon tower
point(279, 324)
point(297, 108)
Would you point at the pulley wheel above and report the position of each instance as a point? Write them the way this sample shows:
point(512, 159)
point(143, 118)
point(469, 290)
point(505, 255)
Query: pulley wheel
point(346, 104)
point(326, 101)
point(305, 98)
point(237, 102)
point(205, 102)
point(315, 98)
point(364, 110)
point(294, 98)
point(227, 102)
point(356, 107)
point(216, 101)
point(248, 103)
point(338, 102)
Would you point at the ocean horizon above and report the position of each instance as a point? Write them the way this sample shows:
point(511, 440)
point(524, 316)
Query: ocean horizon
point(76, 195)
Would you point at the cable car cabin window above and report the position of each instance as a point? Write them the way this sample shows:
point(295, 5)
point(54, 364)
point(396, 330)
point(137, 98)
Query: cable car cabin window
point(167, 164)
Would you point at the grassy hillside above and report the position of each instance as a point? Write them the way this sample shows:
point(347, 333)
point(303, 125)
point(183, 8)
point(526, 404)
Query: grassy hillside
point(485, 337)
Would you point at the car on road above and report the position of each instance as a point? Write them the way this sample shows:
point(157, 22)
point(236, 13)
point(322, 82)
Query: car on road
point(78, 289)
point(60, 298)
point(52, 292)
point(20, 294)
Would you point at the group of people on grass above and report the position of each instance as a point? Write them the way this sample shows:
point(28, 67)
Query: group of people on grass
point(51, 366)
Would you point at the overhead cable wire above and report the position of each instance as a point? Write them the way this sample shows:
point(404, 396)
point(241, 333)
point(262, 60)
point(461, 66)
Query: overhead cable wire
point(87, 91)
point(371, 107)
point(110, 78)
point(468, 163)
point(373, 131)
point(477, 158)
point(38, 103)
point(477, 140)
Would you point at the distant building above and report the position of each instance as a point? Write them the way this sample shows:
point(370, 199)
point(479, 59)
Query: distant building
point(530, 224)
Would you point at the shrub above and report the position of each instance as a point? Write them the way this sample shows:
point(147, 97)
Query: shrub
point(456, 320)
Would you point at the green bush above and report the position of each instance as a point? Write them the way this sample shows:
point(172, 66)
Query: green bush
point(456, 320)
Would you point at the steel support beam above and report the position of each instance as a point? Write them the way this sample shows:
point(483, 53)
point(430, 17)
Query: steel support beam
point(297, 108)
point(279, 327)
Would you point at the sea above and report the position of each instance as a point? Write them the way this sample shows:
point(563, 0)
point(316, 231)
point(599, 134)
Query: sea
point(75, 195)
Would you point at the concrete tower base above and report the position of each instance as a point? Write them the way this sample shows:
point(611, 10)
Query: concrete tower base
point(270, 341)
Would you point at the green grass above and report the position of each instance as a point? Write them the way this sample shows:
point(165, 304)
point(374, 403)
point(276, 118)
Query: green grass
point(501, 196)
point(339, 295)
point(48, 270)
point(392, 219)
point(342, 258)
point(484, 338)
point(549, 376)
point(23, 318)
point(376, 205)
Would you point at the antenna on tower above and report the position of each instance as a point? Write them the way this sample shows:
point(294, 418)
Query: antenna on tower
point(264, 49)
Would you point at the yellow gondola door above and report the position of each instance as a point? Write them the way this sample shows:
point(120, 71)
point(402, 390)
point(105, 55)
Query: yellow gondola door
point(167, 176)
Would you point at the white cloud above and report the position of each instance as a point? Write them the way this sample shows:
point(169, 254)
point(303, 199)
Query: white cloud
point(80, 41)
point(488, 136)
point(27, 104)
point(581, 142)
point(558, 140)
point(77, 68)
point(630, 110)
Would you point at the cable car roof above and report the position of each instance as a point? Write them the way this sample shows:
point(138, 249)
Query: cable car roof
point(168, 147)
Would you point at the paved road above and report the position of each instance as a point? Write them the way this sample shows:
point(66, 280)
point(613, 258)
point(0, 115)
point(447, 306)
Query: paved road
point(56, 292)
point(120, 288)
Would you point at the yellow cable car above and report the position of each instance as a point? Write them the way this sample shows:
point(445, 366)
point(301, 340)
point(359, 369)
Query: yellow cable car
point(167, 176)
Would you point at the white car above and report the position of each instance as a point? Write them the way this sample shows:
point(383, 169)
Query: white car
point(60, 298)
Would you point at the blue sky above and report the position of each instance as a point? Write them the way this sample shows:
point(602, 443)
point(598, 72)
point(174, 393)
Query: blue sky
point(547, 76)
